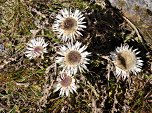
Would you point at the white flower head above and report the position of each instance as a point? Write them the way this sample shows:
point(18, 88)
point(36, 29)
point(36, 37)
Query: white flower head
point(68, 24)
point(66, 84)
point(35, 48)
point(126, 61)
point(73, 58)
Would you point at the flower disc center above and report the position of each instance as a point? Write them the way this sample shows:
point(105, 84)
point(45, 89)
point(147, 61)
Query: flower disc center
point(73, 58)
point(68, 24)
point(126, 60)
point(38, 49)
point(66, 81)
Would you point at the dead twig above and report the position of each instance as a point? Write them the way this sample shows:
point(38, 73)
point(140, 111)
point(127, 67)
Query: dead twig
point(134, 27)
